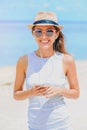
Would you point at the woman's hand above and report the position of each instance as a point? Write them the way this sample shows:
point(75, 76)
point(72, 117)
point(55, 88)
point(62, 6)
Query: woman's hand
point(38, 90)
point(52, 91)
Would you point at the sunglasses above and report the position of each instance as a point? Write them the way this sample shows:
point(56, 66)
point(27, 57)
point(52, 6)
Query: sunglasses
point(48, 32)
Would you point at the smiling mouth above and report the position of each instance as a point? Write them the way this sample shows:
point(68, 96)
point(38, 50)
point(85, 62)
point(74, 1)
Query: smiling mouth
point(44, 42)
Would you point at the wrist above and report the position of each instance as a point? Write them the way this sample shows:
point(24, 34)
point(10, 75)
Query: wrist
point(30, 92)
point(60, 91)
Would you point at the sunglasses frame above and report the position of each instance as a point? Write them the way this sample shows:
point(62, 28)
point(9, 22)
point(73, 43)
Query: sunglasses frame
point(46, 33)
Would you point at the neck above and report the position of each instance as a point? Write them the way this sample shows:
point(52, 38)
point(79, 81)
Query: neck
point(45, 53)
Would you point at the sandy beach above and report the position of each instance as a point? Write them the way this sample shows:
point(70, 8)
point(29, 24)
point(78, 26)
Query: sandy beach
point(13, 114)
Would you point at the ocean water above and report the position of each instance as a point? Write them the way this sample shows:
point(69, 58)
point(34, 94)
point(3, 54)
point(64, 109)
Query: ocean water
point(16, 40)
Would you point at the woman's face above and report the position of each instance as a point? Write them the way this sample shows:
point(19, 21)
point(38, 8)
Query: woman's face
point(45, 36)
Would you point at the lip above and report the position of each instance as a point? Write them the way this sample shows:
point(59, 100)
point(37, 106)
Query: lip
point(45, 42)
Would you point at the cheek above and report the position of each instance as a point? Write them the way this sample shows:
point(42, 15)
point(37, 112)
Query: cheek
point(53, 39)
point(36, 39)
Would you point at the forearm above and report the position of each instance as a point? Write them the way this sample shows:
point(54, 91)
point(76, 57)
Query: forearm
point(21, 94)
point(70, 93)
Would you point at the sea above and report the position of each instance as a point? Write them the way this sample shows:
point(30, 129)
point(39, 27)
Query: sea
point(17, 40)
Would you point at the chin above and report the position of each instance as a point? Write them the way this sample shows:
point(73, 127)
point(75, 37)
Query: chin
point(45, 47)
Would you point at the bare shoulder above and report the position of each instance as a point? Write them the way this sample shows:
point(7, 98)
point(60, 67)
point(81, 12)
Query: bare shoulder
point(22, 59)
point(23, 62)
point(68, 59)
point(68, 63)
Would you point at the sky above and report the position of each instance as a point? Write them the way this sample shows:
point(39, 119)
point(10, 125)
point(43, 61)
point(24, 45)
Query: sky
point(25, 10)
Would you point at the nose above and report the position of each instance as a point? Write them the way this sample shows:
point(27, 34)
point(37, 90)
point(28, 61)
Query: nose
point(44, 35)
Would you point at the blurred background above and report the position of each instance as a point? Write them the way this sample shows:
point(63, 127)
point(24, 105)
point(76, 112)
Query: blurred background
point(16, 39)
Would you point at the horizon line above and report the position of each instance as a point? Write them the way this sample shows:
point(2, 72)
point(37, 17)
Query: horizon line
point(30, 21)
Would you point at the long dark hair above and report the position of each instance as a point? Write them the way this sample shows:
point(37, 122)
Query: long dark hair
point(59, 44)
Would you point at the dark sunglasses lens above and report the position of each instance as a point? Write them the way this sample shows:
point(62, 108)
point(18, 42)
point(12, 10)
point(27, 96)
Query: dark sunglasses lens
point(38, 33)
point(49, 32)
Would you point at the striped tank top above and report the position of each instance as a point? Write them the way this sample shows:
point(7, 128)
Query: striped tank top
point(47, 113)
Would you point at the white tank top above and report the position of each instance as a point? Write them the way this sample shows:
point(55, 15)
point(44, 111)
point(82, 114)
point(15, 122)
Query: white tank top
point(44, 71)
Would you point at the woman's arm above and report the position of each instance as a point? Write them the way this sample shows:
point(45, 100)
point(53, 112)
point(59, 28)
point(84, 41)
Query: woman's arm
point(21, 67)
point(19, 93)
point(70, 72)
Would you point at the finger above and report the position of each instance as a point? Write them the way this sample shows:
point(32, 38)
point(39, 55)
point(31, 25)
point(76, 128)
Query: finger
point(42, 91)
point(39, 94)
point(49, 91)
point(37, 87)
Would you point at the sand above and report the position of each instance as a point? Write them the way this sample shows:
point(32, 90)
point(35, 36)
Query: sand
point(13, 114)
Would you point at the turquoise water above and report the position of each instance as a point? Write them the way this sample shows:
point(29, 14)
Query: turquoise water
point(16, 40)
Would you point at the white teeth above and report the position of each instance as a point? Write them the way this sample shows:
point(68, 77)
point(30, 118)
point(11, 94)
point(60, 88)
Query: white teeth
point(44, 41)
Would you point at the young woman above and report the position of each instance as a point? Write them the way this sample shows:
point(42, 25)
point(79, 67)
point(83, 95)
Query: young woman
point(46, 70)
